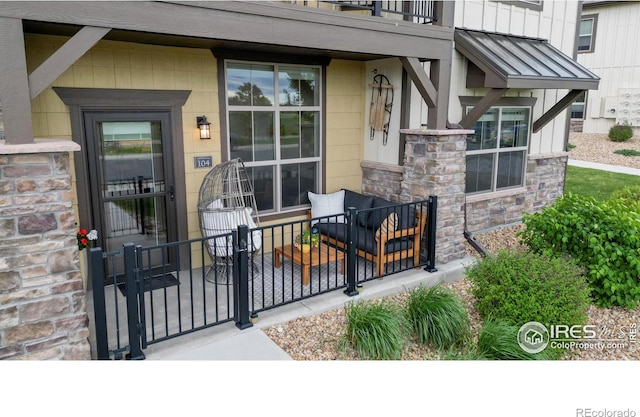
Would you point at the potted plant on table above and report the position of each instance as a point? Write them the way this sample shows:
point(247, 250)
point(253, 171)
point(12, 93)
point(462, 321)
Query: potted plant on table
point(306, 240)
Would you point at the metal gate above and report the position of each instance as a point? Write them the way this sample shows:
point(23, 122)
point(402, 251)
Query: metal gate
point(150, 304)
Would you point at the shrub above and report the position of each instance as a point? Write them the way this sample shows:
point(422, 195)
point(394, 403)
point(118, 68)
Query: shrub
point(498, 339)
point(631, 193)
point(438, 317)
point(602, 236)
point(620, 133)
point(376, 329)
point(521, 286)
point(627, 152)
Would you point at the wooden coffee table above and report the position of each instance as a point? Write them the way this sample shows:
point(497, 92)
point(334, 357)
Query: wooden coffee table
point(316, 257)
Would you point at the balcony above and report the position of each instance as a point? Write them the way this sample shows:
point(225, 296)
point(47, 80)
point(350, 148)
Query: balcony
point(422, 12)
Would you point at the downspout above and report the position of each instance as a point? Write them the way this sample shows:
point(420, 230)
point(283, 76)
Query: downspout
point(471, 239)
point(475, 244)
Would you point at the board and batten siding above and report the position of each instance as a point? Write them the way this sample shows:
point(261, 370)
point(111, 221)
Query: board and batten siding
point(615, 59)
point(556, 22)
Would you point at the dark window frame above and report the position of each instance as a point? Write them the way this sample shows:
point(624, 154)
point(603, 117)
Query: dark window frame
point(268, 58)
point(505, 102)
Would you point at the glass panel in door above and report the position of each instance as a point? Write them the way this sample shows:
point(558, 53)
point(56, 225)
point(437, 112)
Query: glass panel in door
point(133, 183)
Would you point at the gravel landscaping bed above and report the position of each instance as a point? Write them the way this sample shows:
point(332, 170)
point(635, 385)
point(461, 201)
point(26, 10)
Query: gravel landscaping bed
point(318, 337)
point(598, 148)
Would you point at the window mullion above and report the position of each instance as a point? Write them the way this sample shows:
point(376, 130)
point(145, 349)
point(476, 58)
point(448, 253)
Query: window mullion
point(496, 155)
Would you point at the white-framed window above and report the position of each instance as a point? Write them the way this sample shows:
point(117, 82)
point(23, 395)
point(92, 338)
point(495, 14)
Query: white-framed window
point(274, 121)
point(577, 107)
point(497, 151)
point(587, 33)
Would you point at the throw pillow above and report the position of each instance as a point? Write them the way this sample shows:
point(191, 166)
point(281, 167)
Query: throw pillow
point(388, 225)
point(327, 205)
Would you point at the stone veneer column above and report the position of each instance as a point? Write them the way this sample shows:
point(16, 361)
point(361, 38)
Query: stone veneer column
point(42, 297)
point(435, 164)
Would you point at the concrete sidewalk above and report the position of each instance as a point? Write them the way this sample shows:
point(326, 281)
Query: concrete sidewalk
point(227, 342)
point(603, 167)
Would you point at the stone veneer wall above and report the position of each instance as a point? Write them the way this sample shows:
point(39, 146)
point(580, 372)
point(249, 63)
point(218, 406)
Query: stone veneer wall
point(544, 184)
point(42, 298)
point(434, 164)
point(382, 180)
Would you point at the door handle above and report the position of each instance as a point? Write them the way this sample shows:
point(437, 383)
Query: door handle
point(172, 194)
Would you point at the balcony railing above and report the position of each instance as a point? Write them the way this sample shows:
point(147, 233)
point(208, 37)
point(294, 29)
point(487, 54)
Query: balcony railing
point(412, 11)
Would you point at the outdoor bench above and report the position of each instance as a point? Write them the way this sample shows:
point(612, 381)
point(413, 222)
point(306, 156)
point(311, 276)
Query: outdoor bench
point(384, 232)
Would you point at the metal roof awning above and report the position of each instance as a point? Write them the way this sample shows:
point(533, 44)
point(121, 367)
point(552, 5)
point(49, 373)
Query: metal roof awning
point(500, 61)
point(509, 61)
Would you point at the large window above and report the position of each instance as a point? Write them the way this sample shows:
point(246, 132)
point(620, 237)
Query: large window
point(587, 35)
point(497, 152)
point(274, 114)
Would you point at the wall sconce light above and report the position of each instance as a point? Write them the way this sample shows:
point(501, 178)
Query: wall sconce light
point(203, 125)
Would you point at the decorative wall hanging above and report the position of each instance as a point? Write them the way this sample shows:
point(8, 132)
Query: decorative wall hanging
point(381, 104)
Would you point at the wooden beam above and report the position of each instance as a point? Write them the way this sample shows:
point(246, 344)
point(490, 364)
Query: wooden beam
point(14, 84)
point(481, 108)
point(441, 78)
point(556, 109)
point(421, 80)
point(63, 58)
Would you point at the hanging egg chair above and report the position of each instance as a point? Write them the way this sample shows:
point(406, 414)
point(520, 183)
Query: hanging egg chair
point(225, 201)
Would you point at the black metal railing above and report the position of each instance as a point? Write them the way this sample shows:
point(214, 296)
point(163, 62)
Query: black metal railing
point(196, 284)
point(146, 295)
point(414, 11)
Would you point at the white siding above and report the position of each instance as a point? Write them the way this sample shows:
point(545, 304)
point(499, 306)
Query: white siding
point(556, 22)
point(615, 59)
point(374, 150)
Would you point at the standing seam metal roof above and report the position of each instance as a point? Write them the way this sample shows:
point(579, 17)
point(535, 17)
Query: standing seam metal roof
point(522, 62)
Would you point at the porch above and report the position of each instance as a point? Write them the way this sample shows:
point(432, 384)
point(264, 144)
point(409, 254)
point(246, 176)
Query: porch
point(133, 306)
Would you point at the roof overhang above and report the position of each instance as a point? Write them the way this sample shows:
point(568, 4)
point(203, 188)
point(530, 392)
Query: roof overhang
point(507, 61)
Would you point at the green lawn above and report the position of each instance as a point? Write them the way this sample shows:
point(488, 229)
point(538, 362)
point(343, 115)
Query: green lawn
point(596, 183)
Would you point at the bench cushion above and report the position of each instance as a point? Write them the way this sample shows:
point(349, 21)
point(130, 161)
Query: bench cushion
point(364, 239)
point(360, 202)
point(406, 214)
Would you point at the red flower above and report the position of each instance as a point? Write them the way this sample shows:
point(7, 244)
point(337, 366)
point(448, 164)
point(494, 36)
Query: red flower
point(84, 241)
point(83, 232)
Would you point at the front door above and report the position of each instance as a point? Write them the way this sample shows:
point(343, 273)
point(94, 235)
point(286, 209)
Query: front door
point(131, 181)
